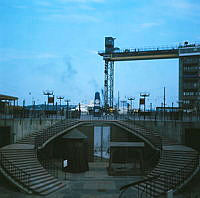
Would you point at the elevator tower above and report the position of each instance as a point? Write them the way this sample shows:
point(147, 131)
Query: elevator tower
point(189, 69)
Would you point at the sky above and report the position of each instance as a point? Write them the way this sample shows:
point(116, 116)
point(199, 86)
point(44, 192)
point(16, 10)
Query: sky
point(53, 45)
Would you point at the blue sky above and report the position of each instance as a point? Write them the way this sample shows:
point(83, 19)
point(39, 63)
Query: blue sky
point(53, 44)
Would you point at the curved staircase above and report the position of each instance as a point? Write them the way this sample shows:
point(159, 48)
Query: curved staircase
point(20, 165)
point(177, 164)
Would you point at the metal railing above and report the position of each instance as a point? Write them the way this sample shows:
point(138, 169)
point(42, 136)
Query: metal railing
point(51, 165)
point(170, 181)
point(149, 134)
point(176, 178)
point(153, 48)
point(123, 189)
point(41, 138)
point(15, 172)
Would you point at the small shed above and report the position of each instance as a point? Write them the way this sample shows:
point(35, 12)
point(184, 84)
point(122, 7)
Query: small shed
point(126, 158)
point(76, 151)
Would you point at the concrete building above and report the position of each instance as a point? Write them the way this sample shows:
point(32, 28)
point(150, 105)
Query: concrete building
point(189, 77)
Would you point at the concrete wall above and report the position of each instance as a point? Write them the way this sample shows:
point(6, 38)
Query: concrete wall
point(21, 128)
point(174, 130)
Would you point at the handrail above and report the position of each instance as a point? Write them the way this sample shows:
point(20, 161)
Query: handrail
point(159, 145)
point(152, 48)
point(50, 132)
point(20, 175)
point(138, 182)
point(133, 184)
point(180, 175)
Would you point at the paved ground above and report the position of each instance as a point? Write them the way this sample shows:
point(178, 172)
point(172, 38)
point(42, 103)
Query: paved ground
point(94, 183)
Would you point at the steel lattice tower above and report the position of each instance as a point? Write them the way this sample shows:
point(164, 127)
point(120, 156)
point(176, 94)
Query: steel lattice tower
point(109, 83)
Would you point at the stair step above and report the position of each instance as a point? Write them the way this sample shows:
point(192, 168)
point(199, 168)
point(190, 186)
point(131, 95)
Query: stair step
point(47, 187)
point(35, 174)
point(40, 180)
point(43, 184)
point(32, 170)
point(50, 190)
point(36, 178)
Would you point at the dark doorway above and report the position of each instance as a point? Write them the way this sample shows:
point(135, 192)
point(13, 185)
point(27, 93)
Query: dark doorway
point(5, 136)
point(192, 137)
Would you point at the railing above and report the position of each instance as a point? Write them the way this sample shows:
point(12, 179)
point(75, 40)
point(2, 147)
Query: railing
point(153, 48)
point(151, 135)
point(123, 189)
point(170, 181)
point(51, 131)
point(104, 117)
point(20, 175)
point(148, 166)
point(51, 165)
point(177, 177)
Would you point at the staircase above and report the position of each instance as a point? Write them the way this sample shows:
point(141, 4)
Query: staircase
point(19, 162)
point(20, 165)
point(176, 166)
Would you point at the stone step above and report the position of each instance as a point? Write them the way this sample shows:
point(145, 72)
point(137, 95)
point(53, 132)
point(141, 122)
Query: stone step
point(19, 157)
point(43, 184)
point(52, 189)
point(173, 163)
point(40, 180)
point(42, 189)
point(37, 178)
point(39, 173)
point(25, 163)
point(38, 170)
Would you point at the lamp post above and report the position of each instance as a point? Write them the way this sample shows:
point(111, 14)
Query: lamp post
point(131, 99)
point(67, 113)
point(123, 103)
point(60, 98)
point(48, 93)
point(144, 95)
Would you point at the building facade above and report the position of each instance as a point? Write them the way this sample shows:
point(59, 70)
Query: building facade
point(189, 77)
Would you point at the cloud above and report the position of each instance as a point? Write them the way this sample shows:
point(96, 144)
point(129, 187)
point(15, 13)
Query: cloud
point(94, 84)
point(80, 18)
point(149, 24)
point(7, 55)
point(180, 4)
point(69, 70)
point(145, 26)
point(44, 3)
point(181, 7)
point(94, 52)
point(21, 7)
point(81, 1)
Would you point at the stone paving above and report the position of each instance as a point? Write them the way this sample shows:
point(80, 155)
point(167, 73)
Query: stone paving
point(94, 183)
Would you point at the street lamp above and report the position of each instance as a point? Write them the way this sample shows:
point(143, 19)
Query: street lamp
point(131, 99)
point(48, 93)
point(67, 101)
point(60, 98)
point(144, 95)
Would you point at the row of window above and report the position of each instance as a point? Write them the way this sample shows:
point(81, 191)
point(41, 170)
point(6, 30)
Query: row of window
point(191, 60)
point(186, 101)
point(191, 68)
point(195, 76)
point(191, 93)
point(190, 85)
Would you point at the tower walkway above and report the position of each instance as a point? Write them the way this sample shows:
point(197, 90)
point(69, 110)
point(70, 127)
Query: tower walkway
point(19, 162)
